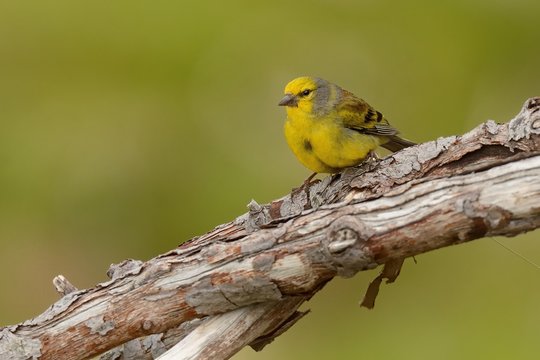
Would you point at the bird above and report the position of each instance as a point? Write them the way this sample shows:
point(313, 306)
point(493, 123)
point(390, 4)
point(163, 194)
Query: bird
point(329, 129)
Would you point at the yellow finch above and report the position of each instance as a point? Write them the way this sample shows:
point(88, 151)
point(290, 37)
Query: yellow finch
point(329, 129)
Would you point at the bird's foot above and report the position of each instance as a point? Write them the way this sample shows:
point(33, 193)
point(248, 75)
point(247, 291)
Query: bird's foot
point(306, 184)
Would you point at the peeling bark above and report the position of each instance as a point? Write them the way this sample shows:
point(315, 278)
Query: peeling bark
point(216, 291)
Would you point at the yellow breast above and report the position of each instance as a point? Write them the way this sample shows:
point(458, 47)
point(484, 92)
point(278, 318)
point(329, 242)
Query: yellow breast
point(323, 145)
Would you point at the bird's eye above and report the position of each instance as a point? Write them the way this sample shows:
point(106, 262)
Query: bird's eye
point(306, 92)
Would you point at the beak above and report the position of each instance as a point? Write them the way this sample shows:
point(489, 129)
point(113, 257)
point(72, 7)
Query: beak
point(289, 100)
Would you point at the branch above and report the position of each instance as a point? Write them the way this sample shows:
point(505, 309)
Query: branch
point(270, 260)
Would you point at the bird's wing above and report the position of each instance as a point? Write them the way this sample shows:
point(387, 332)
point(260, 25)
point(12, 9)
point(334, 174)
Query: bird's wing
point(358, 115)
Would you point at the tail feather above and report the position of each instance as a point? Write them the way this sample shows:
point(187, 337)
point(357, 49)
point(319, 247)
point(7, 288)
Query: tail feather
point(396, 143)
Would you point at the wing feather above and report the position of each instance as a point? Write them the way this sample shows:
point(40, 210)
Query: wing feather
point(358, 115)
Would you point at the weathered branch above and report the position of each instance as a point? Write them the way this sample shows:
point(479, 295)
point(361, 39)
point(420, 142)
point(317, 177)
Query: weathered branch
point(270, 260)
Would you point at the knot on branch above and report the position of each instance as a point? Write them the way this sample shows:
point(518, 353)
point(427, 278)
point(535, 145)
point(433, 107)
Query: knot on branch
point(486, 218)
point(344, 244)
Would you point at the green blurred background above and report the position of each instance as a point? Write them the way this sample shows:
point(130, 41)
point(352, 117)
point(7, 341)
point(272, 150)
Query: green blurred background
point(127, 127)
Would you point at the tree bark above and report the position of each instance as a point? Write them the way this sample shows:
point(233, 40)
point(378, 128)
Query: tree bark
point(243, 282)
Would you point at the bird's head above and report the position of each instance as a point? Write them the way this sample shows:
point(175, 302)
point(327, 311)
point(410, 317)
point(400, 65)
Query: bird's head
point(307, 94)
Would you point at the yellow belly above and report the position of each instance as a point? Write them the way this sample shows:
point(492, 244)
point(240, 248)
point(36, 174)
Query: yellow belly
point(324, 146)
